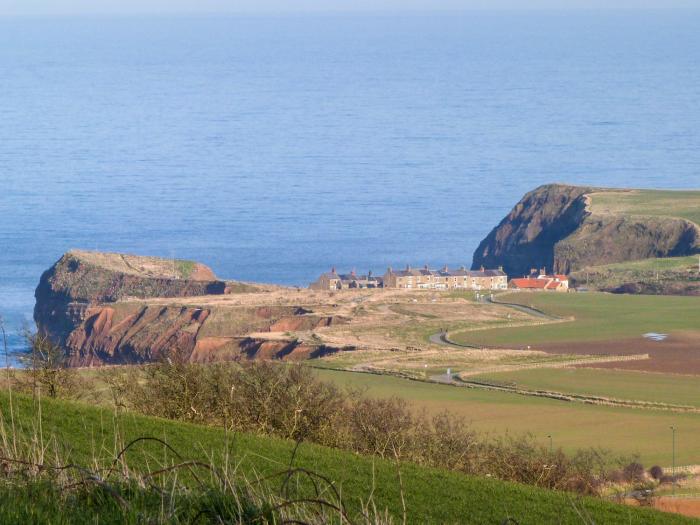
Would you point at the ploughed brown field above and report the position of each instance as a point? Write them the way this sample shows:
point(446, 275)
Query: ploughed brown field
point(678, 354)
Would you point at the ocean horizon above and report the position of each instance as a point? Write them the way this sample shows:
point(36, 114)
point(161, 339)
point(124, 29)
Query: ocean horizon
point(272, 148)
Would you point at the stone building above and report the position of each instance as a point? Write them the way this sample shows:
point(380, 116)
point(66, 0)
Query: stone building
point(446, 279)
point(342, 281)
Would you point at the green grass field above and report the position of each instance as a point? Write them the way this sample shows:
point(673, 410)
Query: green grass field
point(597, 316)
point(627, 431)
point(654, 264)
point(684, 204)
point(619, 384)
point(83, 433)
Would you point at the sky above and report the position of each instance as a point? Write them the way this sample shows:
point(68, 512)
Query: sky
point(66, 7)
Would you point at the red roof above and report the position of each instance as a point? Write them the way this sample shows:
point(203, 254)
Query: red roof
point(538, 283)
point(526, 282)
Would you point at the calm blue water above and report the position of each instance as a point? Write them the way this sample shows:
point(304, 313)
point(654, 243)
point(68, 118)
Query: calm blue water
point(273, 148)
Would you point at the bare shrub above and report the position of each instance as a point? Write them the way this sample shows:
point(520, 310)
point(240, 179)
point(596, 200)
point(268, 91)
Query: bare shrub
point(290, 402)
point(634, 472)
point(380, 426)
point(47, 371)
point(446, 441)
point(656, 472)
point(285, 401)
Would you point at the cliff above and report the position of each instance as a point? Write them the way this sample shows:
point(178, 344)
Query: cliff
point(140, 332)
point(566, 228)
point(117, 309)
point(80, 279)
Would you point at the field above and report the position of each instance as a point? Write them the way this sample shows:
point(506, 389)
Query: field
point(591, 324)
point(632, 385)
point(596, 323)
point(683, 204)
point(572, 426)
point(87, 435)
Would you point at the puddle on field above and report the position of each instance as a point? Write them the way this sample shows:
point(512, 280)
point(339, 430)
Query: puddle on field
point(655, 337)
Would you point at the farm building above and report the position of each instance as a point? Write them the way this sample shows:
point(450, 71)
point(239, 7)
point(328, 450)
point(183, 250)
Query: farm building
point(539, 280)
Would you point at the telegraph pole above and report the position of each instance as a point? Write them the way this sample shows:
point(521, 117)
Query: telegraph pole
point(673, 464)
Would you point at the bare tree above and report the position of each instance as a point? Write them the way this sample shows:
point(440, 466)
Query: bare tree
point(47, 366)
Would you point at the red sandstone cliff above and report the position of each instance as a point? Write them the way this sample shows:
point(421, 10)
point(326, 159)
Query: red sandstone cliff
point(87, 303)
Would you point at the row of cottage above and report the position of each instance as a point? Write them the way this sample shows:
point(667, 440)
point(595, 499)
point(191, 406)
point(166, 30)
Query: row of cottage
point(444, 279)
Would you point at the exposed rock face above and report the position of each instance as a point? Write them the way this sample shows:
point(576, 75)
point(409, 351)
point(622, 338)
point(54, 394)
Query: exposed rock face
point(81, 279)
point(86, 303)
point(554, 227)
point(148, 334)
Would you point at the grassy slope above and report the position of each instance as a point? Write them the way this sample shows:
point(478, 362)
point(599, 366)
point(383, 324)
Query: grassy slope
point(652, 265)
point(643, 386)
point(598, 317)
point(683, 204)
point(670, 275)
point(573, 425)
point(432, 495)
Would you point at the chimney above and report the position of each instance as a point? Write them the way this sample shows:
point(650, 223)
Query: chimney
point(333, 269)
point(482, 268)
point(408, 267)
point(388, 270)
point(425, 267)
point(445, 268)
point(352, 273)
point(462, 268)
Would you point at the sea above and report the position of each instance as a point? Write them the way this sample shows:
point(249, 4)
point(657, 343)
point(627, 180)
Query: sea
point(275, 147)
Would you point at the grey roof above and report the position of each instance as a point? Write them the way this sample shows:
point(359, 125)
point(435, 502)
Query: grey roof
point(450, 273)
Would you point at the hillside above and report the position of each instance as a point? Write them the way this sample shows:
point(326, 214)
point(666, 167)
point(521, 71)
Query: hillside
point(662, 276)
point(85, 435)
point(566, 228)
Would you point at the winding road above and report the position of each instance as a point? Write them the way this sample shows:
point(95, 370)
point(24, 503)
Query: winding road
point(442, 338)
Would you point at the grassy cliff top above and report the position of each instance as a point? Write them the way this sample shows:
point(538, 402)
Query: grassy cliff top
point(148, 267)
point(654, 203)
